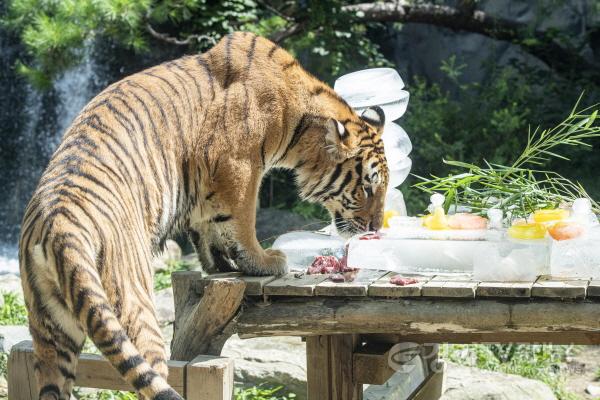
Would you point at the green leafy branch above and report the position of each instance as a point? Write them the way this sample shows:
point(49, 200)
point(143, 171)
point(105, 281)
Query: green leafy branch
point(523, 186)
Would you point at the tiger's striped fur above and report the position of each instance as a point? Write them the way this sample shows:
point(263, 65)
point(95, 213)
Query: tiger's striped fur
point(181, 146)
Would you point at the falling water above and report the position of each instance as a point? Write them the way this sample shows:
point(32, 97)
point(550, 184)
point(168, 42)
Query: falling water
point(37, 129)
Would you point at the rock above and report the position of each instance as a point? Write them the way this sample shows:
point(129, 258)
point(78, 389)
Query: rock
point(274, 360)
point(272, 222)
point(11, 335)
point(466, 383)
point(165, 306)
point(593, 390)
point(11, 283)
point(171, 252)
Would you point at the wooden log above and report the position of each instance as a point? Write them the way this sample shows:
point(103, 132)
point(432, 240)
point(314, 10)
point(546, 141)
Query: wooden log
point(209, 378)
point(317, 316)
point(198, 323)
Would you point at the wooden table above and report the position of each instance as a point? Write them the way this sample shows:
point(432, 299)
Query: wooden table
point(350, 328)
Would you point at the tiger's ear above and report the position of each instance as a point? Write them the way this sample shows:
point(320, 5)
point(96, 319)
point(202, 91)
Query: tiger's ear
point(374, 116)
point(338, 141)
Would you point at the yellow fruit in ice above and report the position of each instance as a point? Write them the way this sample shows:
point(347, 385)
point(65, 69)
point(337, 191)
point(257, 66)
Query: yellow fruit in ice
point(436, 221)
point(527, 231)
point(557, 214)
point(387, 215)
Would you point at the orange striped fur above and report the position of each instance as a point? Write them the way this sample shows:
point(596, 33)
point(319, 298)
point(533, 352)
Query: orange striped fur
point(181, 146)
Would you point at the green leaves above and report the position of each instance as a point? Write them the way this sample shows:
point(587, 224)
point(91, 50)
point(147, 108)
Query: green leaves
point(520, 187)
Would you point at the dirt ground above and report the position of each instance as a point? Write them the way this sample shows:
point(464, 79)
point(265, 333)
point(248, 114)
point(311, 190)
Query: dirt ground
point(581, 371)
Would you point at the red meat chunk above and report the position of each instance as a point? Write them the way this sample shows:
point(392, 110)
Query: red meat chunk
point(402, 281)
point(324, 265)
point(337, 277)
point(370, 236)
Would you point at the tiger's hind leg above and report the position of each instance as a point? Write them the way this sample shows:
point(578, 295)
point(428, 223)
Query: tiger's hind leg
point(55, 358)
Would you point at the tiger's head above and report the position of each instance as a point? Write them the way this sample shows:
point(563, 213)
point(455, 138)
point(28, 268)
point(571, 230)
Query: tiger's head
point(353, 184)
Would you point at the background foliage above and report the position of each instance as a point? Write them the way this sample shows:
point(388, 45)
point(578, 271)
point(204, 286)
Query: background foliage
point(454, 118)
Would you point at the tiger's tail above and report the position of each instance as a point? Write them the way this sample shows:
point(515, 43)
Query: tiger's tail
point(91, 307)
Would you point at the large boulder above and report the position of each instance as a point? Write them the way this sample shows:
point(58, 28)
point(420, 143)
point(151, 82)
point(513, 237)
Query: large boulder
point(274, 361)
point(467, 383)
point(165, 306)
point(11, 335)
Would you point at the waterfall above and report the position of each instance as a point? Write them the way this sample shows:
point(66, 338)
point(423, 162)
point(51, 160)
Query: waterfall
point(38, 124)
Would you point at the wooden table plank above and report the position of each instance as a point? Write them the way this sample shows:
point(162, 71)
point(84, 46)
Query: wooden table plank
point(456, 285)
point(566, 288)
point(504, 289)
point(294, 284)
point(358, 287)
point(383, 288)
point(255, 284)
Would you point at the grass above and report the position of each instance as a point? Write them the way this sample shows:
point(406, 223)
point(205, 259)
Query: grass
point(13, 312)
point(259, 392)
point(162, 278)
point(539, 362)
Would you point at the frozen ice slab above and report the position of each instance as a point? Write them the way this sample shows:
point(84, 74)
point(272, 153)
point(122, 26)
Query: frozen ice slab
point(578, 257)
point(413, 255)
point(302, 247)
point(510, 260)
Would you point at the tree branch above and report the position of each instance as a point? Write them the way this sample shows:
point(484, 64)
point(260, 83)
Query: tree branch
point(466, 18)
point(540, 44)
point(173, 40)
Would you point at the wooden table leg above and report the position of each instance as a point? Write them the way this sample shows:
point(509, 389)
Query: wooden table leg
point(330, 368)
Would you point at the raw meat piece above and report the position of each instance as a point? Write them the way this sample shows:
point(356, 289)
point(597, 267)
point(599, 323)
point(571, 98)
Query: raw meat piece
point(370, 236)
point(324, 265)
point(337, 278)
point(402, 281)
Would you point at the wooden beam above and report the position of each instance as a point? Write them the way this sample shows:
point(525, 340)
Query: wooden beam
point(371, 364)
point(21, 379)
point(209, 377)
point(432, 387)
point(199, 322)
point(317, 316)
point(343, 384)
point(581, 338)
point(93, 371)
point(318, 367)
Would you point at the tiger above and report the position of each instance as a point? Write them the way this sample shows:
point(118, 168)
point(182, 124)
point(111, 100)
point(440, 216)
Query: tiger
point(181, 147)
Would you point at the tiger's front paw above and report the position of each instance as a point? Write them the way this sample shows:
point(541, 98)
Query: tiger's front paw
point(274, 262)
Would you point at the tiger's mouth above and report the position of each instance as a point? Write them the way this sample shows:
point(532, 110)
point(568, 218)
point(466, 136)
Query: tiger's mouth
point(348, 227)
